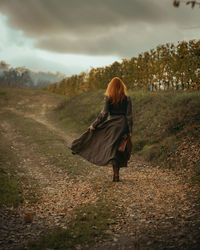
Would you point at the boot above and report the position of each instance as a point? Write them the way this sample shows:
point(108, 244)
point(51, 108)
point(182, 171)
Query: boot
point(115, 172)
point(117, 178)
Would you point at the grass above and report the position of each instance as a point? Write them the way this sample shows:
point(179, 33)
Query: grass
point(12, 178)
point(161, 119)
point(23, 99)
point(88, 224)
point(76, 113)
point(43, 140)
point(10, 188)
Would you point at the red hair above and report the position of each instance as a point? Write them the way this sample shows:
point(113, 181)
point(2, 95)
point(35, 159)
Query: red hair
point(116, 90)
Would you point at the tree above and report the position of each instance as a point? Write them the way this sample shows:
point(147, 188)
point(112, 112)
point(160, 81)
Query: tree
point(165, 67)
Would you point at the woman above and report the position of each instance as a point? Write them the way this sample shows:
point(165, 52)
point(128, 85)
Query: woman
point(100, 143)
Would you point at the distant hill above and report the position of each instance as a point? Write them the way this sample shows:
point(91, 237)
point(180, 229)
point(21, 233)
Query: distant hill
point(23, 77)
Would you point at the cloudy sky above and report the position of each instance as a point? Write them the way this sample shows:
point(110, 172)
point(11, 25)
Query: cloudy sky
point(71, 36)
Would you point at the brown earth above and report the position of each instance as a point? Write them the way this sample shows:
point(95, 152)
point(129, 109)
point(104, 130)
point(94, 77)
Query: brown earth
point(158, 208)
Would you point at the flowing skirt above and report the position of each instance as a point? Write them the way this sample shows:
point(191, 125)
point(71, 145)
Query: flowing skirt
point(100, 146)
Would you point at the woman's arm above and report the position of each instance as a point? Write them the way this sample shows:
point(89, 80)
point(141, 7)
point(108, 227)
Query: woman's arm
point(129, 115)
point(102, 115)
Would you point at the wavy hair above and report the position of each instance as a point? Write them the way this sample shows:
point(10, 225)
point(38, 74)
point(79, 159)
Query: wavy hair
point(116, 90)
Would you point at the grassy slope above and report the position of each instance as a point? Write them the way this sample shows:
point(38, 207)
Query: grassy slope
point(161, 120)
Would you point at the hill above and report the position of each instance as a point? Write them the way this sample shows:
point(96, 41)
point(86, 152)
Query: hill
point(166, 124)
point(166, 127)
point(23, 77)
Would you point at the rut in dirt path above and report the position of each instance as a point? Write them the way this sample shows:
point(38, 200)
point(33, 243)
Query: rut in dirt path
point(40, 117)
point(37, 108)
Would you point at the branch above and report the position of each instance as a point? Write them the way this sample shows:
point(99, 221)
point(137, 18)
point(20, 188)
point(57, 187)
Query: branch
point(193, 3)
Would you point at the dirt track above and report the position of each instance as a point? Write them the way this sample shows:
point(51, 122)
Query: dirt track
point(158, 206)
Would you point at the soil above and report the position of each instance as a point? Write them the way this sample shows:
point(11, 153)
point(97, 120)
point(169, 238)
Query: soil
point(159, 208)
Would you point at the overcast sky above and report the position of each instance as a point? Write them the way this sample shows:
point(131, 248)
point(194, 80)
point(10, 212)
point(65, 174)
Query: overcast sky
point(71, 36)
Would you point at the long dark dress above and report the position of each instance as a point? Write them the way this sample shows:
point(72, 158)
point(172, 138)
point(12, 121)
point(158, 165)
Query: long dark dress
point(100, 146)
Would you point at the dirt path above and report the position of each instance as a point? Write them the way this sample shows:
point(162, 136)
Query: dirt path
point(58, 194)
point(156, 206)
point(41, 118)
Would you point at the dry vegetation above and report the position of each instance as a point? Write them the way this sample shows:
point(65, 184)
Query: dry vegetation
point(52, 199)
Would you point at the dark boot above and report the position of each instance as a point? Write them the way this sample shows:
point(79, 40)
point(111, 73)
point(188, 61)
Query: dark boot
point(115, 171)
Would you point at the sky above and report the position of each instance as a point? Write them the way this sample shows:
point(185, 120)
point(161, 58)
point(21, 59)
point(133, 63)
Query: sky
point(71, 36)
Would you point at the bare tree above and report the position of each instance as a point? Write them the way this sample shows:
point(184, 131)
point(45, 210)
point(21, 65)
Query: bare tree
point(193, 3)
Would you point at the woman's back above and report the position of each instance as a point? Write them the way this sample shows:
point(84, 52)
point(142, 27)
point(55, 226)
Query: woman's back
point(119, 108)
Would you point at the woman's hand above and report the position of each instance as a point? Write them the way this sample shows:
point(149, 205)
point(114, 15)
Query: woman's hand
point(91, 128)
point(130, 134)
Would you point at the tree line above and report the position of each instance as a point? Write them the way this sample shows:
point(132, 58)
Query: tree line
point(166, 67)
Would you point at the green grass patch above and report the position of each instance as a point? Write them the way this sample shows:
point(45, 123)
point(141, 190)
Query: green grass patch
point(76, 113)
point(88, 223)
point(10, 187)
point(159, 152)
point(10, 190)
point(13, 179)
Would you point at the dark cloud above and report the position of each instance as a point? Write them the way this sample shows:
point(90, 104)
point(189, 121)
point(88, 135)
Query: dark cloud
point(95, 26)
point(125, 42)
point(47, 17)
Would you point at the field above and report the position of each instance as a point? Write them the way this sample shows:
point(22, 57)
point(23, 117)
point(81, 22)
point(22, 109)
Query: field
point(51, 199)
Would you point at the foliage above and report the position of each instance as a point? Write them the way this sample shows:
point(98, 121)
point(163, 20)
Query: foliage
point(23, 77)
point(166, 67)
point(193, 3)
